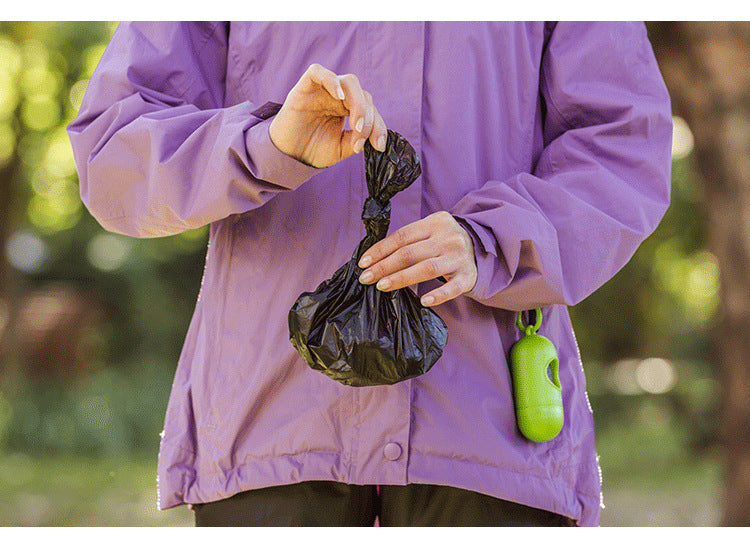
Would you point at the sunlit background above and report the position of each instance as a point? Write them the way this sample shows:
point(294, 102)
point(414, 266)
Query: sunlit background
point(92, 324)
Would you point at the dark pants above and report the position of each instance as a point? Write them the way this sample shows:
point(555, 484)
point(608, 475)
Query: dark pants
point(326, 503)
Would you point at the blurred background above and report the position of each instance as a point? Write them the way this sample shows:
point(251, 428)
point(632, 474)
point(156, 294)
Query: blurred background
point(92, 323)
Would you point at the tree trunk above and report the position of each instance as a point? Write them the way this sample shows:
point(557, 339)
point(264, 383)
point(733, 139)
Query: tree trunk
point(9, 353)
point(706, 66)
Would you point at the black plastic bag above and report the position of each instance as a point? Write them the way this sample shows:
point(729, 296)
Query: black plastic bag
point(357, 334)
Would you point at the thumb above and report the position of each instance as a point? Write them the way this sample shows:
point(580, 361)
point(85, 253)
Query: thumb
point(351, 143)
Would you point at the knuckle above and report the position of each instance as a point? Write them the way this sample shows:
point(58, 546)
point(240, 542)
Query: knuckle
point(378, 270)
point(465, 284)
point(456, 241)
point(441, 295)
point(405, 256)
point(455, 289)
point(432, 268)
point(400, 238)
point(367, 125)
point(397, 280)
point(350, 78)
point(443, 217)
point(449, 291)
point(375, 252)
point(461, 244)
point(438, 220)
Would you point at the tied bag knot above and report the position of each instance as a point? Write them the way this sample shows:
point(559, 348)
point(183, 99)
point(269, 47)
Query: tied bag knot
point(355, 333)
point(377, 219)
point(387, 173)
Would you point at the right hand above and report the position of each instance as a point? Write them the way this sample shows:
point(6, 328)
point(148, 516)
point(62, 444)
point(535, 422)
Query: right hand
point(310, 124)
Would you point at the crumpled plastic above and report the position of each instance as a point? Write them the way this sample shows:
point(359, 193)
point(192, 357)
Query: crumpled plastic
point(355, 333)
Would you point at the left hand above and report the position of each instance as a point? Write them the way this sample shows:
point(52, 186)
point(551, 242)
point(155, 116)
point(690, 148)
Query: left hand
point(429, 248)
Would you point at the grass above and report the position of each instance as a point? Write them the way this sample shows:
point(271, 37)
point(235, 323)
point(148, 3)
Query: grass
point(82, 492)
point(653, 478)
point(684, 496)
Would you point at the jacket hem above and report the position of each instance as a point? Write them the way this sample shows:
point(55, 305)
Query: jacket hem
point(180, 484)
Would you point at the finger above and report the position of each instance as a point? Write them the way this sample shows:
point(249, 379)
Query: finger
point(364, 126)
point(411, 233)
point(318, 75)
point(379, 134)
point(376, 131)
point(372, 127)
point(458, 285)
point(346, 143)
point(401, 259)
point(360, 112)
point(415, 274)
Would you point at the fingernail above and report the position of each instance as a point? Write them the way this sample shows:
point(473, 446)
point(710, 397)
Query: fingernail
point(365, 261)
point(358, 145)
point(360, 124)
point(340, 92)
point(366, 277)
point(381, 143)
point(428, 300)
point(382, 284)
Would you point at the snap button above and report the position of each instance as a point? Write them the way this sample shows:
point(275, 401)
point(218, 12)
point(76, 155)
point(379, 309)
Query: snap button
point(392, 451)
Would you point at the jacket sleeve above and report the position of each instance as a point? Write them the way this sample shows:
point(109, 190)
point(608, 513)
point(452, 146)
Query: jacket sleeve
point(157, 151)
point(601, 184)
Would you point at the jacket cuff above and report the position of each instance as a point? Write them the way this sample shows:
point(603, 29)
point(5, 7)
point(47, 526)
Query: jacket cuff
point(269, 163)
point(488, 257)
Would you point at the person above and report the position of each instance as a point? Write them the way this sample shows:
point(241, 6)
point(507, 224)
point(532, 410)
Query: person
point(545, 152)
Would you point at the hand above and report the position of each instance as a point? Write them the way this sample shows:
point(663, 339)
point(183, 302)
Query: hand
point(310, 124)
point(429, 248)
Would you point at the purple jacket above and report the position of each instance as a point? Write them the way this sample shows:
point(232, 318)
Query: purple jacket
point(551, 141)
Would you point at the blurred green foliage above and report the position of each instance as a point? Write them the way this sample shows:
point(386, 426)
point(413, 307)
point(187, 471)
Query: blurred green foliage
point(661, 305)
point(663, 301)
point(146, 289)
point(110, 412)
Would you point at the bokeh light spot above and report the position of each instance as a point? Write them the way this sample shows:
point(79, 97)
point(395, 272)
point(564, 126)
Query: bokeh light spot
point(55, 213)
point(26, 252)
point(108, 251)
point(40, 112)
point(10, 56)
point(682, 138)
point(40, 80)
point(622, 377)
point(655, 375)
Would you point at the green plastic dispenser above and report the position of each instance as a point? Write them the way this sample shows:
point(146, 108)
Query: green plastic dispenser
point(538, 397)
